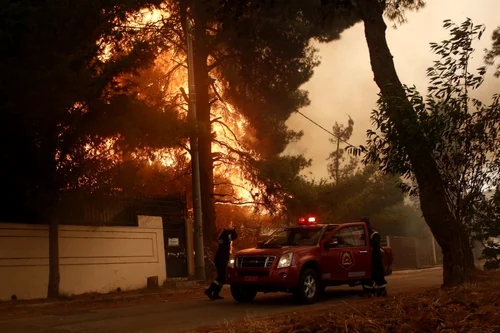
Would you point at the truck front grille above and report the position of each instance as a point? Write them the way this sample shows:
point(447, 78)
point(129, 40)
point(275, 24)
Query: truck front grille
point(254, 262)
point(253, 273)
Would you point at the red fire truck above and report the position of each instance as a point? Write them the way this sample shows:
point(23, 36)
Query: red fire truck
point(304, 260)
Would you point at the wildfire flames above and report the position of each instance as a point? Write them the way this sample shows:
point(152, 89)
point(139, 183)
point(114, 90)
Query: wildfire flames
point(227, 124)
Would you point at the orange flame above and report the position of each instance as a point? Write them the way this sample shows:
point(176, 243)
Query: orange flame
point(228, 124)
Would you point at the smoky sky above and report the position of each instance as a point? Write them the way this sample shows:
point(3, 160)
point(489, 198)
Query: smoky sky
point(343, 84)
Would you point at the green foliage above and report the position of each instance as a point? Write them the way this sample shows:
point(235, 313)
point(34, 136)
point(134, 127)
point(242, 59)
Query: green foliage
point(279, 177)
point(494, 53)
point(462, 132)
point(366, 192)
point(347, 10)
point(395, 9)
point(264, 57)
point(305, 199)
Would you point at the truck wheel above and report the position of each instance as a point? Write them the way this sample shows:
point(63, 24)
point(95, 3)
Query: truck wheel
point(309, 287)
point(242, 294)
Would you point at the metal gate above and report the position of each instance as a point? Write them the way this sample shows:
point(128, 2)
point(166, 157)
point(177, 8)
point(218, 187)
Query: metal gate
point(174, 234)
point(173, 211)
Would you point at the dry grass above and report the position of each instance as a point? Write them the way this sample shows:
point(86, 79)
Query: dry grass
point(473, 307)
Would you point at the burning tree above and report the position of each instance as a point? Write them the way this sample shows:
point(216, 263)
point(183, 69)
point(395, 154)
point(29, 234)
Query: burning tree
point(67, 117)
point(79, 117)
point(250, 60)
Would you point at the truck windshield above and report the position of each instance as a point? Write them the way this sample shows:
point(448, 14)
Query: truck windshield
point(294, 236)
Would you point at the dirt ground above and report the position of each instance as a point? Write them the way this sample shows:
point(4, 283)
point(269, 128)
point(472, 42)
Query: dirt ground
point(473, 307)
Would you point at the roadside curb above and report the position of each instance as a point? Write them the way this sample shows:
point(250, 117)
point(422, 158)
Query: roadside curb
point(82, 301)
point(170, 290)
point(409, 271)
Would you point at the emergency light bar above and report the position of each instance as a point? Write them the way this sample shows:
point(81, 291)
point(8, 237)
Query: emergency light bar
point(307, 221)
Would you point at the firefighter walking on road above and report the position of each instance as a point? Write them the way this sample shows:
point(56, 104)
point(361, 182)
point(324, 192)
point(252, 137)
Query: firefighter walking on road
point(225, 237)
point(377, 285)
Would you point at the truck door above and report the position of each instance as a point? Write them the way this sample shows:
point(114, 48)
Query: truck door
point(350, 259)
point(327, 260)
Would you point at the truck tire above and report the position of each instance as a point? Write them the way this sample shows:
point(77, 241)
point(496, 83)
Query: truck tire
point(309, 287)
point(243, 294)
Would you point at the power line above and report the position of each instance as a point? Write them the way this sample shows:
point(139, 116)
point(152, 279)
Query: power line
point(324, 129)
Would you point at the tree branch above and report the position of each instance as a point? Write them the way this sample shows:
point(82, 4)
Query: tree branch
point(235, 185)
point(256, 203)
point(239, 152)
point(227, 127)
point(218, 60)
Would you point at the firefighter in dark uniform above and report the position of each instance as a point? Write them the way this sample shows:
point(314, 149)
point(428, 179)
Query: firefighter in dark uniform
point(225, 237)
point(377, 285)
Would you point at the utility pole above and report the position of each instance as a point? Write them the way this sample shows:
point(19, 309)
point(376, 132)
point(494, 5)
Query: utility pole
point(195, 163)
point(337, 162)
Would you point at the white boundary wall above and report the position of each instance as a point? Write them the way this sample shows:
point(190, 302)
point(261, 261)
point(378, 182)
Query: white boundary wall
point(91, 259)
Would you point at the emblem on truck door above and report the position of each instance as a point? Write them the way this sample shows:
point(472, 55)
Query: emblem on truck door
point(346, 259)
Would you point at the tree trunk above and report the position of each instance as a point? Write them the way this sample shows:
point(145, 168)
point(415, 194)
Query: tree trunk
point(458, 262)
point(53, 288)
point(204, 123)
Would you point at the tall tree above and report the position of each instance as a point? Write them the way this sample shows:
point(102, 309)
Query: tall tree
point(341, 135)
point(260, 62)
point(462, 130)
point(65, 112)
point(409, 141)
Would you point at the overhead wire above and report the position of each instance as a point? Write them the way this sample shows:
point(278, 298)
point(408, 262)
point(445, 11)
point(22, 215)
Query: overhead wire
point(324, 129)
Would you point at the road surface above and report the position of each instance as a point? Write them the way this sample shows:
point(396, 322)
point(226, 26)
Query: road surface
point(182, 316)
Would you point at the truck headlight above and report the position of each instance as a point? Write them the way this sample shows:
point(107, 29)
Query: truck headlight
point(285, 260)
point(231, 263)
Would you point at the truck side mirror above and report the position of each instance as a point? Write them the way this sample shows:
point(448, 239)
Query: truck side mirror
point(334, 242)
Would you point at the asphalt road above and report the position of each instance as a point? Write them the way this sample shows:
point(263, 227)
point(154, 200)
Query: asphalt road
point(181, 316)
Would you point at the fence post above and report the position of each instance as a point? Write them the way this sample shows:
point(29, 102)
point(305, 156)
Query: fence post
point(434, 250)
point(190, 247)
point(417, 254)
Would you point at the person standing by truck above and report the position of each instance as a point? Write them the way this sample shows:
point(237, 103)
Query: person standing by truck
point(225, 237)
point(377, 285)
